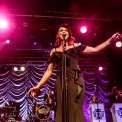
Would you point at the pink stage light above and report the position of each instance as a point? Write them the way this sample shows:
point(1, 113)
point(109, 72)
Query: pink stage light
point(3, 24)
point(118, 44)
point(7, 41)
point(83, 29)
point(100, 68)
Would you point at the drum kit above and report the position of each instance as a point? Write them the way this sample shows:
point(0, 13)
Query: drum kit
point(44, 112)
point(39, 113)
point(9, 113)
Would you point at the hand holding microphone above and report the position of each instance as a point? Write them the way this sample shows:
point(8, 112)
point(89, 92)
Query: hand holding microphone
point(116, 36)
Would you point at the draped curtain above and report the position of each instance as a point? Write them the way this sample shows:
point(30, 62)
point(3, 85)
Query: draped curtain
point(14, 87)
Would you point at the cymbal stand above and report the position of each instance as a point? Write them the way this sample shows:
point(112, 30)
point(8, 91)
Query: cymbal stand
point(97, 100)
point(32, 114)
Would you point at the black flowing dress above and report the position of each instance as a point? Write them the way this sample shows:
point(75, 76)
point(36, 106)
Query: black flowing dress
point(73, 109)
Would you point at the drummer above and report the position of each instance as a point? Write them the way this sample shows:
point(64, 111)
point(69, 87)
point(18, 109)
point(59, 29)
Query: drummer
point(49, 98)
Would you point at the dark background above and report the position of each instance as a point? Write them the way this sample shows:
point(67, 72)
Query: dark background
point(36, 21)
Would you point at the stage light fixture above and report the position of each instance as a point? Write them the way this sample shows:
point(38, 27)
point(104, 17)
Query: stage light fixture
point(83, 29)
point(22, 68)
point(3, 23)
point(34, 43)
point(15, 68)
point(19, 68)
point(7, 41)
point(100, 68)
point(79, 43)
point(118, 44)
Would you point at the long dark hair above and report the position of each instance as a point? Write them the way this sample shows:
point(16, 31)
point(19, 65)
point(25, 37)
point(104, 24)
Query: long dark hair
point(71, 39)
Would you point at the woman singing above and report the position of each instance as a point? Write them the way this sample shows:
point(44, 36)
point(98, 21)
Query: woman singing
point(69, 90)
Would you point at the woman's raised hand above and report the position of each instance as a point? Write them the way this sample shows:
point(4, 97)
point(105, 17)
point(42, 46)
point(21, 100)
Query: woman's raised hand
point(115, 36)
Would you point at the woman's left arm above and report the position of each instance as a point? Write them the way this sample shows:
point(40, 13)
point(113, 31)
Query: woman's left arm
point(94, 50)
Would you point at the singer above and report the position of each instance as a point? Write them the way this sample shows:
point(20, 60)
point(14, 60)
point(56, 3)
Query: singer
point(73, 112)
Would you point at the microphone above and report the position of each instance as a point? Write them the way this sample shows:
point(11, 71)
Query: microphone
point(117, 37)
point(64, 35)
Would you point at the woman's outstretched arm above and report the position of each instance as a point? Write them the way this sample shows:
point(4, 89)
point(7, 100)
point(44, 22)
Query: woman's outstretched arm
point(93, 50)
point(44, 78)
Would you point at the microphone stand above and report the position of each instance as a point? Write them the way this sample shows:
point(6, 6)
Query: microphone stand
point(97, 100)
point(64, 83)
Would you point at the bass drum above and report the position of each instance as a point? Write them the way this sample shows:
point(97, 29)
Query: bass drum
point(43, 113)
point(11, 120)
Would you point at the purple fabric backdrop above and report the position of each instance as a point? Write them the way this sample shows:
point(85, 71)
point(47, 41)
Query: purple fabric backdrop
point(14, 86)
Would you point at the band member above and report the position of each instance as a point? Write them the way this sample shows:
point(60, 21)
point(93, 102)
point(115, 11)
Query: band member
point(93, 98)
point(49, 99)
point(115, 95)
